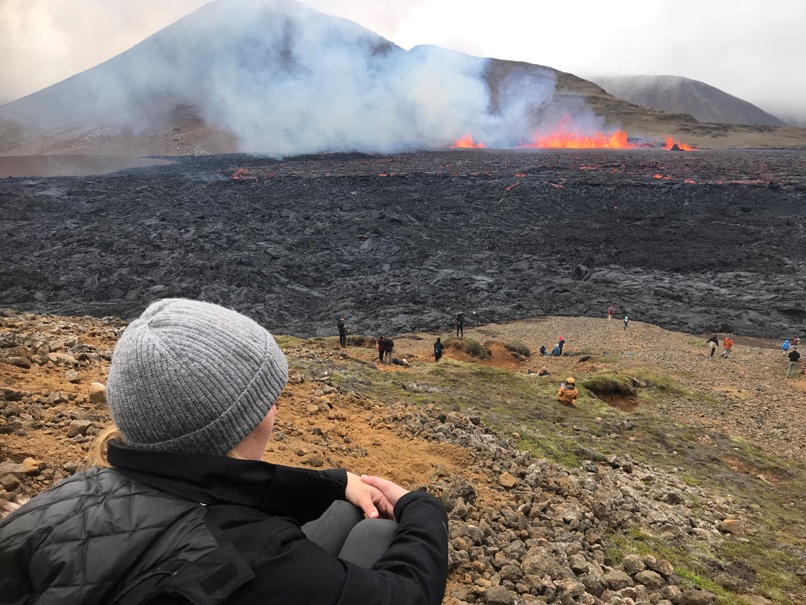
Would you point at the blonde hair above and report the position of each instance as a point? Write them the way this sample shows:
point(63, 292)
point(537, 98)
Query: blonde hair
point(99, 447)
point(97, 455)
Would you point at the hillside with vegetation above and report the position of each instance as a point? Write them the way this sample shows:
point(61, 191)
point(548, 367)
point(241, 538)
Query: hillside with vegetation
point(677, 478)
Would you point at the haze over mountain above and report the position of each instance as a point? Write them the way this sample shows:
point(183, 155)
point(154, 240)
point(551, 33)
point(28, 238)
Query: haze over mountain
point(683, 95)
point(277, 77)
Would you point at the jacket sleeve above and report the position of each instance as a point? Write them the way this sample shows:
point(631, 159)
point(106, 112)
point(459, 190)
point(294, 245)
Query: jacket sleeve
point(414, 568)
point(289, 568)
point(303, 494)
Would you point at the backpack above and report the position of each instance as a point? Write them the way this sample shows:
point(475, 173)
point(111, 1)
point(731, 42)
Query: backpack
point(388, 344)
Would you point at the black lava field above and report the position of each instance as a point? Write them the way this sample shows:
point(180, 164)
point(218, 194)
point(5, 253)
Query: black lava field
point(699, 241)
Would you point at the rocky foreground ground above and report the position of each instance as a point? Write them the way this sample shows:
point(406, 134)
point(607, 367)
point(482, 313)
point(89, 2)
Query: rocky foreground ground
point(615, 527)
point(692, 241)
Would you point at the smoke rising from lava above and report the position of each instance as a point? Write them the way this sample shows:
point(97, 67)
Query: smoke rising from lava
point(286, 79)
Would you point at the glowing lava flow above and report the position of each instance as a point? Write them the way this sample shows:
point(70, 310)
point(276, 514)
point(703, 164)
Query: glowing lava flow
point(681, 146)
point(564, 140)
point(466, 142)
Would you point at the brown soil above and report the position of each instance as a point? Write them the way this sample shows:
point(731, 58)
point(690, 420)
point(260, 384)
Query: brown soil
point(321, 426)
point(752, 378)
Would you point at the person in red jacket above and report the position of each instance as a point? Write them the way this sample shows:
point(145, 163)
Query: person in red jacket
point(728, 344)
point(380, 348)
point(185, 510)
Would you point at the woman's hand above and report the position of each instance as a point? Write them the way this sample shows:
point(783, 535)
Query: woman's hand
point(364, 496)
point(390, 494)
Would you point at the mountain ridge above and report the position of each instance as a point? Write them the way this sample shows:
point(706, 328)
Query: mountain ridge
point(678, 94)
point(281, 78)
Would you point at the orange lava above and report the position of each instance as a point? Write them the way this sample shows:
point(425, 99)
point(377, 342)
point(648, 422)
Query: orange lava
point(681, 146)
point(565, 137)
point(466, 142)
point(566, 140)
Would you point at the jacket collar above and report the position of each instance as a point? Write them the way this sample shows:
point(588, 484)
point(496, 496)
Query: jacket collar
point(279, 490)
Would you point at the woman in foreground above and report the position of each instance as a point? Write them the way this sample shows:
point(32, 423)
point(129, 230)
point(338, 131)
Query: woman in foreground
point(186, 510)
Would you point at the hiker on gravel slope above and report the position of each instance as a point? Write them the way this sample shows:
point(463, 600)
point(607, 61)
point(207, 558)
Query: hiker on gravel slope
point(388, 347)
point(794, 357)
point(713, 344)
point(187, 511)
point(727, 343)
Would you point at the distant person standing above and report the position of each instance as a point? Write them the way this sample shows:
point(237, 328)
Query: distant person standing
point(794, 357)
point(388, 347)
point(342, 326)
point(626, 322)
point(611, 311)
point(785, 346)
point(728, 344)
point(460, 325)
point(561, 344)
point(380, 348)
point(438, 348)
point(713, 344)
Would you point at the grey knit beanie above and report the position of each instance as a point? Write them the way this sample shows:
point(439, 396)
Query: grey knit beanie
point(190, 376)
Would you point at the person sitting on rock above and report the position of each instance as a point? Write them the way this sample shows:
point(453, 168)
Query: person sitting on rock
point(568, 392)
point(543, 350)
point(184, 509)
point(556, 351)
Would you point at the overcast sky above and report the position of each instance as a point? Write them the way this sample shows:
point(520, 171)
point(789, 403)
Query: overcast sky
point(753, 49)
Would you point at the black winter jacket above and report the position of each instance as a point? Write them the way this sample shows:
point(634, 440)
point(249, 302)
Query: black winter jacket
point(180, 528)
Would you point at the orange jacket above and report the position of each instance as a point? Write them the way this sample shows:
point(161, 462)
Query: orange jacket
point(567, 395)
point(728, 342)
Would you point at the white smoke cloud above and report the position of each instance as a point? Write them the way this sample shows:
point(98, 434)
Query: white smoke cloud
point(308, 86)
point(285, 79)
point(45, 41)
point(325, 86)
